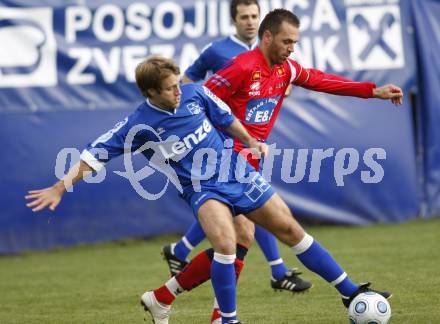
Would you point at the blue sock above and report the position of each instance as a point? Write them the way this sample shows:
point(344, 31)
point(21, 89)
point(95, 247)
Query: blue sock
point(224, 284)
point(192, 238)
point(318, 260)
point(268, 244)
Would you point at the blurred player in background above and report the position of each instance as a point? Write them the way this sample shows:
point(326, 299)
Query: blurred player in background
point(245, 15)
point(189, 117)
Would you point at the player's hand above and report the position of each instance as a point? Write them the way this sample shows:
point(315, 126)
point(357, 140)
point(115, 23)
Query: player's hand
point(42, 198)
point(389, 91)
point(258, 149)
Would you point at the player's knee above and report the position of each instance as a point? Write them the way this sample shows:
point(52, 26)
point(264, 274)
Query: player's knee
point(225, 246)
point(245, 231)
point(245, 239)
point(291, 234)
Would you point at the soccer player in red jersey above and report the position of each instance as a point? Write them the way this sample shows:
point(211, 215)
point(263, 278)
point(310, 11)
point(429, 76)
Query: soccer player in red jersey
point(253, 85)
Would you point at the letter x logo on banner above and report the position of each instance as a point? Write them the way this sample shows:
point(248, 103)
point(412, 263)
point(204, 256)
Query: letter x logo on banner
point(375, 37)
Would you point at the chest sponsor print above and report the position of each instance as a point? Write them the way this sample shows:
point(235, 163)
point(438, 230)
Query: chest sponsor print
point(260, 110)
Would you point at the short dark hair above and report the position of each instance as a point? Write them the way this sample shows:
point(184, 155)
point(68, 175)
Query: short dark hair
point(235, 3)
point(150, 73)
point(274, 19)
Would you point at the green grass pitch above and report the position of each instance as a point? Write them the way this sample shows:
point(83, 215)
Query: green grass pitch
point(102, 283)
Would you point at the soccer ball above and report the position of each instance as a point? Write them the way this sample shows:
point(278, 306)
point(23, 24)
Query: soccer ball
point(369, 308)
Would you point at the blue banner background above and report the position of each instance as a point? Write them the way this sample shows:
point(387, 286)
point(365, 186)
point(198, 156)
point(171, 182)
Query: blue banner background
point(47, 106)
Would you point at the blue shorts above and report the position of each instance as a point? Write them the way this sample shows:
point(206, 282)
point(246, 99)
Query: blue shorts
point(242, 198)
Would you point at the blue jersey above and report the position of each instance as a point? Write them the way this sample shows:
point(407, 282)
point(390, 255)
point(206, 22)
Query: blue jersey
point(176, 143)
point(169, 139)
point(215, 55)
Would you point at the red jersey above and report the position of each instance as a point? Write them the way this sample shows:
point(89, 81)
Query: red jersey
point(255, 91)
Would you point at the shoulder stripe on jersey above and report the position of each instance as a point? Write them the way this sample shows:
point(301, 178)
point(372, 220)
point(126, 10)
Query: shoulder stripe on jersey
point(299, 74)
point(293, 71)
point(308, 76)
point(217, 100)
point(91, 161)
point(205, 48)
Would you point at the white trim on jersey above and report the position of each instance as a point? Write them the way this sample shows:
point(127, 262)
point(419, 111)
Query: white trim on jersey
point(206, 47)
point(293, 70)
point(342, 81)
point(239, 42)
point(217, 100)
point(308, 75)
point(91, 161)
point(160, 109)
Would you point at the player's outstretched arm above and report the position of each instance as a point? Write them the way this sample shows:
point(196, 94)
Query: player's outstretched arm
point(317, 80)
point(389, 91)
point(51, 196)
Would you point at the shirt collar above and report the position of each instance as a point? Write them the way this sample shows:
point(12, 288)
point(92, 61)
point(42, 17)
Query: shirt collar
point(164, 111)
point(243, 44)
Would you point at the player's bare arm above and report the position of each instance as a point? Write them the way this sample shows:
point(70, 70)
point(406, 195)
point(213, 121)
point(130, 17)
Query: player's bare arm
point(389, 91)
point(237, 130)
point(51, 196)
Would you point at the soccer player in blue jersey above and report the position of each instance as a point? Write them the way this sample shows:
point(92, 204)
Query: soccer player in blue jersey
point(245, 15)
point(188, 117)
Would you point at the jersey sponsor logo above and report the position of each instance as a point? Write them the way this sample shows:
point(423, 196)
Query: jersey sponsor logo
point(260, 110)
point(200, 199)
point(29, 58)
point(160, 130)
point(256, 75)
point(375, 37)
point(255, 88)
point(170, 150)
point(280, 71)
point(281, 85)
point(194, 108)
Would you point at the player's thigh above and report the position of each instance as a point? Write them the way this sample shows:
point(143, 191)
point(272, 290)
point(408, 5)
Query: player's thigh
point(276, 217)
point(215, 218)
point(245, 230)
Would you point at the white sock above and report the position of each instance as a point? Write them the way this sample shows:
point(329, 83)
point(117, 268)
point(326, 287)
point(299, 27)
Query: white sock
point(174, 287)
